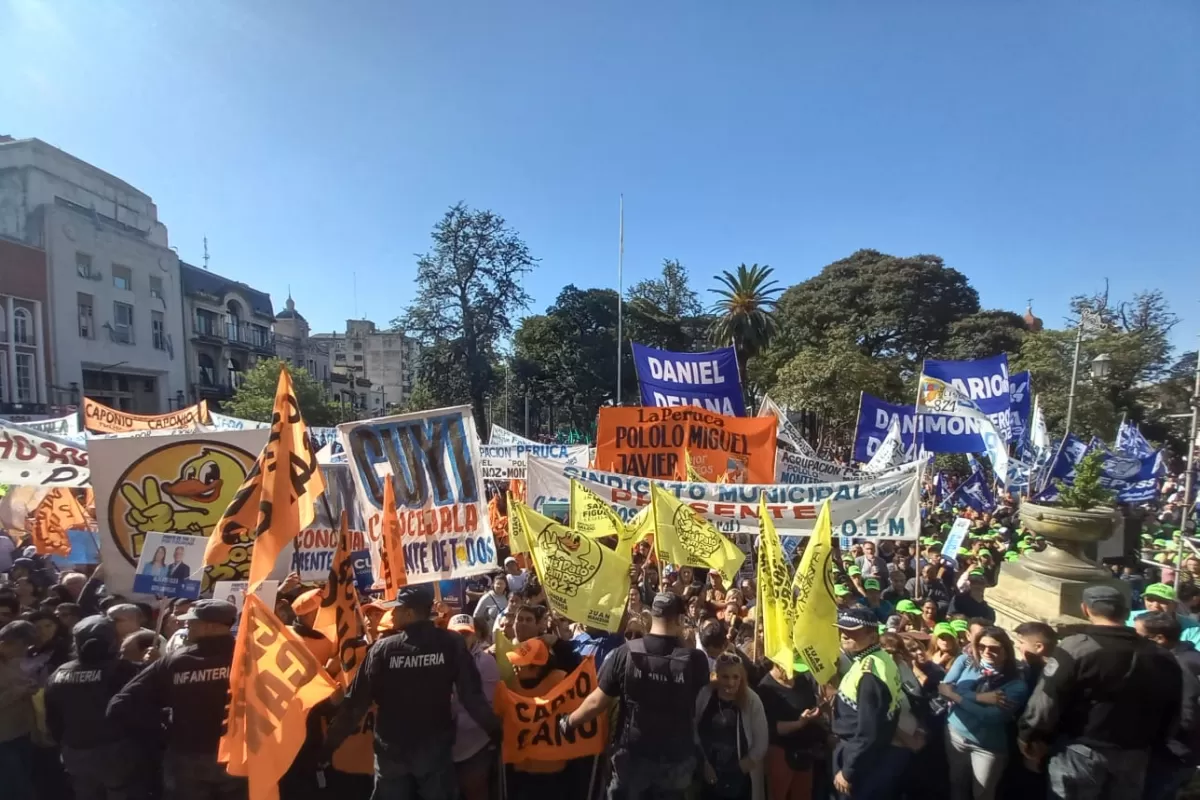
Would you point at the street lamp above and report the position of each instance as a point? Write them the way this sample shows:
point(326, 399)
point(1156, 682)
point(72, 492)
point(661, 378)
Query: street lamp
point(1101, 365)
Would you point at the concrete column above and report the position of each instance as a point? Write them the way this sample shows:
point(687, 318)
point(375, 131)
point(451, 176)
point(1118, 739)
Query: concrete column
point(10, 388)
point(39, 354)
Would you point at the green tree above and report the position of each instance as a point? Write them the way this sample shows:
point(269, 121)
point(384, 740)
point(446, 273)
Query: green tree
point(984, 334)
point(468, 286)
point(666, 313)
point(670, 296)
point(745, 317)
point(254, 399)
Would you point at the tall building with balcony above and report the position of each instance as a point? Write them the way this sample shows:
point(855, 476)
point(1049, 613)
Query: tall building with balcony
point(228, 331)
point(116, 321)
point(24, 332)
point(385, 360)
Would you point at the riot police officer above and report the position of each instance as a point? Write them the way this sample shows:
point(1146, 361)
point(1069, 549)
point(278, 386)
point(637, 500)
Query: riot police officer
point(410, 677)
point(866, 710)
point(656, 679)
point(102, 762)
point(188, 691)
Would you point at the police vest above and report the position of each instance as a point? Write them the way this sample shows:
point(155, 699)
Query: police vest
point(881, 665)
point(659, 703)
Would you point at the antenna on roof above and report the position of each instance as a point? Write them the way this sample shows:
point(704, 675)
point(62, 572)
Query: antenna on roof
point(206, 252)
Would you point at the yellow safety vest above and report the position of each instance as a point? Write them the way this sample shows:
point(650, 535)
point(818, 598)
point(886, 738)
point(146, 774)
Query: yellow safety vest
point(881, 665)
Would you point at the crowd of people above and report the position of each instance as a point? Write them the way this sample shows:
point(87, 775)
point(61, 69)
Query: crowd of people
point(102, 698)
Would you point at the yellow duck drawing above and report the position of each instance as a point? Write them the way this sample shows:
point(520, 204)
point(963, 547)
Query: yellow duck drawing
point(205, 487)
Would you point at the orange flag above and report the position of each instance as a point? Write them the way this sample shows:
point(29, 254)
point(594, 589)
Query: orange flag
point(529, 722)
point(340, 617)
point(58, 512)
point(274, 683)
point(391, 547)
point(276, 500)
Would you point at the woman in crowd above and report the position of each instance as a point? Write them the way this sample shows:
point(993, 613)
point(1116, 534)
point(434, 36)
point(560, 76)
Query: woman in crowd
point(635, 605)
point(731, 730)
point(794, 731)
point(929, 616)
point(52, 648)
point(943, 646)
point(494, 602)
point(987, 693)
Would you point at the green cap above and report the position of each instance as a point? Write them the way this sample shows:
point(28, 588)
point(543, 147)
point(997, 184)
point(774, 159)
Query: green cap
point(840, 590)
point(907, 607)
point(944, 629)
point(871, 583)
point(946, 527)
point(978, 572)
point(1160, 590)
point(855, 570)
point(960, 625)
point(799, 666)
point(1162, 543)
point(962, 551)
point(1011, 556)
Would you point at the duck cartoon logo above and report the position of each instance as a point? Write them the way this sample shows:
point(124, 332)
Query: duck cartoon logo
point(181, 487)
point(697, 536)
point(570, 560)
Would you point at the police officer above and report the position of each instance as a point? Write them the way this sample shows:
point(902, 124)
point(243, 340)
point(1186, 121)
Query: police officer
point(410, 677)
point(656, 679)
point(103, 763)
point(866, 710)
point(188, 690)
point(1105, 698)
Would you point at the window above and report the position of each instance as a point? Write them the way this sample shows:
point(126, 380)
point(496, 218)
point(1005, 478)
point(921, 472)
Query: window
point(156, 289)
point(87, 328)
point(208, 370)
point(22, 327)
point(3, 329)
point(358, 345)
point(83, 265)
point(122, 323)
point(24, 382)
point(358, 357)
point(339, 357)
point(206, 323)
point(122, 277)
point(158, 330)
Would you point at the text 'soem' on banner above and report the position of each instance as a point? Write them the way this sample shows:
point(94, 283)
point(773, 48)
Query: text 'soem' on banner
point(99, 418)
point(652, 443)
point(432, 459)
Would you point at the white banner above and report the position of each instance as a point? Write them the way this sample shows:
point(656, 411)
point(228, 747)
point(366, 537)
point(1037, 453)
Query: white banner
point(503, 436)
point(796, 468)
point(59, 426)
point(787, 435)
point(222, 422)
point(235, 592)
point(882, 506)
point(506, 462)
point(32, 458)
point(432, 459)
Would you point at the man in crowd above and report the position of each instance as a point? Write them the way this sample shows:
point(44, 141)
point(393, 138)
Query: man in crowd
point(410, 677)
point(971, 603)
point(1106, 696)
point(1173, 762)
point(871, 564)
point(932, 587)
point(17, 718)
point(656, 680)
point(473, 754)
point(515, 575)
point(189, 689)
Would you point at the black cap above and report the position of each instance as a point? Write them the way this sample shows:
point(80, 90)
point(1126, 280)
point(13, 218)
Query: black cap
point(18, 631)
point(418, 598)
point(95, 637)
point(666, 605)
point(217, 611)
point(1102, 594)
point(856, 618)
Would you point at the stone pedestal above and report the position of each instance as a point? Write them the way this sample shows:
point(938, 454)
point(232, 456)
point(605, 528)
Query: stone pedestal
point(1022, 594)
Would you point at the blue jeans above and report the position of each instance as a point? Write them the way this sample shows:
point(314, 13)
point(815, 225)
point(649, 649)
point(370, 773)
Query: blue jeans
point(428, 775)
point(16, 768)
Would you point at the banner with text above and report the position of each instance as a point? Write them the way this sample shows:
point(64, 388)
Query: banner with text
point(99, 418)
point(653, 443)
point(32, 458)
point(985, 383)
point(506, 462)
point(706, 380)
point(939, 433)
point(58, 426)
point(312, 552)
point(530, 724)
point(432, 459)
point(886, 505)
point(795, 468)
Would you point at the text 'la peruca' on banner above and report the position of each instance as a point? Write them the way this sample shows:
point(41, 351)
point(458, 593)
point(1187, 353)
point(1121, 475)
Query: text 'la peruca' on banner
point(432, 459)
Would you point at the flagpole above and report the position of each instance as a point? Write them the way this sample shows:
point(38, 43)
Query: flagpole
point(620, 294)
point(1189, 479)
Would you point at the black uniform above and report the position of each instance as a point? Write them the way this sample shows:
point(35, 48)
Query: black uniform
point(410, 678)
point(188, 692)
point(103, 763)
point(657, 682)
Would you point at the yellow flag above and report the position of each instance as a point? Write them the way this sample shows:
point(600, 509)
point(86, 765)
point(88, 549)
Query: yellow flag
point(776, 609)
point(584, 580)
point(814, 633)
point(637, 529)
point(684, 538)
point(692, 475)
point(504, 646)
point(518, 541)
point(276, 500)
point(591, 516)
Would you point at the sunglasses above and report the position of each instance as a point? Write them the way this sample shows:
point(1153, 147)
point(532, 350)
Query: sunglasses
point(989, 648)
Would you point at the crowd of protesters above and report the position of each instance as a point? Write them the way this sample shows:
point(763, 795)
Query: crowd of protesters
point(105, 698)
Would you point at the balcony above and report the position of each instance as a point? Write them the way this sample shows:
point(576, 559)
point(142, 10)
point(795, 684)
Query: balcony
point(252, 337)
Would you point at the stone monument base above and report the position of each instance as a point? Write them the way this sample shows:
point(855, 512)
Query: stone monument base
point(1023, 595)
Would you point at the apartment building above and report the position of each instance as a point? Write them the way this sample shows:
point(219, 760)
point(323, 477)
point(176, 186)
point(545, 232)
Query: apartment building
point(24, 332)
point(385, 360)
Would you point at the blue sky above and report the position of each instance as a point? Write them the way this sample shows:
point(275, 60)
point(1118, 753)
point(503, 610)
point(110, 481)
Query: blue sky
point(1038, 147)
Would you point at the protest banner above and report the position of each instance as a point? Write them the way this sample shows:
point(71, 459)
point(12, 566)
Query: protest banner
point(276, 500)
point(890, 453)
point(954, 540)
point(99, 418)
point(653, 442)
point(1020, 394)
point(234, 592)
point(530, 724)
point(705, 380)
point(789, 438)
point(167, 484)
point(684, 538)
point(584, 581)
point(58, 512)
point(58, 426)
point(817, 640)
point(984, 382)
point(797, 468)
point(502, 436)
point(591, 516)
point(506, 462)
point(312, 551)
point(222, 422)
point(171, 565)
point(85, 550)
point(432, 459)
point(886, 505)
point(776, 599)
point(937, 398)
point(32, 458)
point(274, 683)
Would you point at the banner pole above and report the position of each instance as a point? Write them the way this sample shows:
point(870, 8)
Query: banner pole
point(620, 295)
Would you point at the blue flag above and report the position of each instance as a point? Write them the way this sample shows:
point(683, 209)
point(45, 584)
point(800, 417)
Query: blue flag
point(708, 380)
point(1131, 442)
point(973, 492)
point(939, 487)
point(1020, 393)
point(985, 381)
point(1131, 479)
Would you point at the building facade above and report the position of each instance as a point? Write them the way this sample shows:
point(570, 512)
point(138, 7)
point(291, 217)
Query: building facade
point(386, 360)
point(25, 362)
point(228, 329)
point(113, 284)
point(294, 345)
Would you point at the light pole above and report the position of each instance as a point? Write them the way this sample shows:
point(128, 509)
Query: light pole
point(1189, 478)
point(1101, 364)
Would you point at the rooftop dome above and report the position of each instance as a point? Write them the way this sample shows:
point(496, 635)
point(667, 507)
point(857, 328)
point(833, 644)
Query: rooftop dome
point(289, 311)
point(1032, 323)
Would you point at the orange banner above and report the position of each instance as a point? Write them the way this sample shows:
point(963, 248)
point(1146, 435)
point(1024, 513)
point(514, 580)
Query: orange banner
point(275, 502)
point(58, 512)
point(656, 442)
point(531, 727)
point(274, 683)
point(99, 418)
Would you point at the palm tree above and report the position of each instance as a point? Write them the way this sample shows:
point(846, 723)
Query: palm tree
point(745, 313)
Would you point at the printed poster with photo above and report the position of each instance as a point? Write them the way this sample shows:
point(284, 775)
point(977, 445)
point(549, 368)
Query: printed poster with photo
point(171, 565)
point(235, 592)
